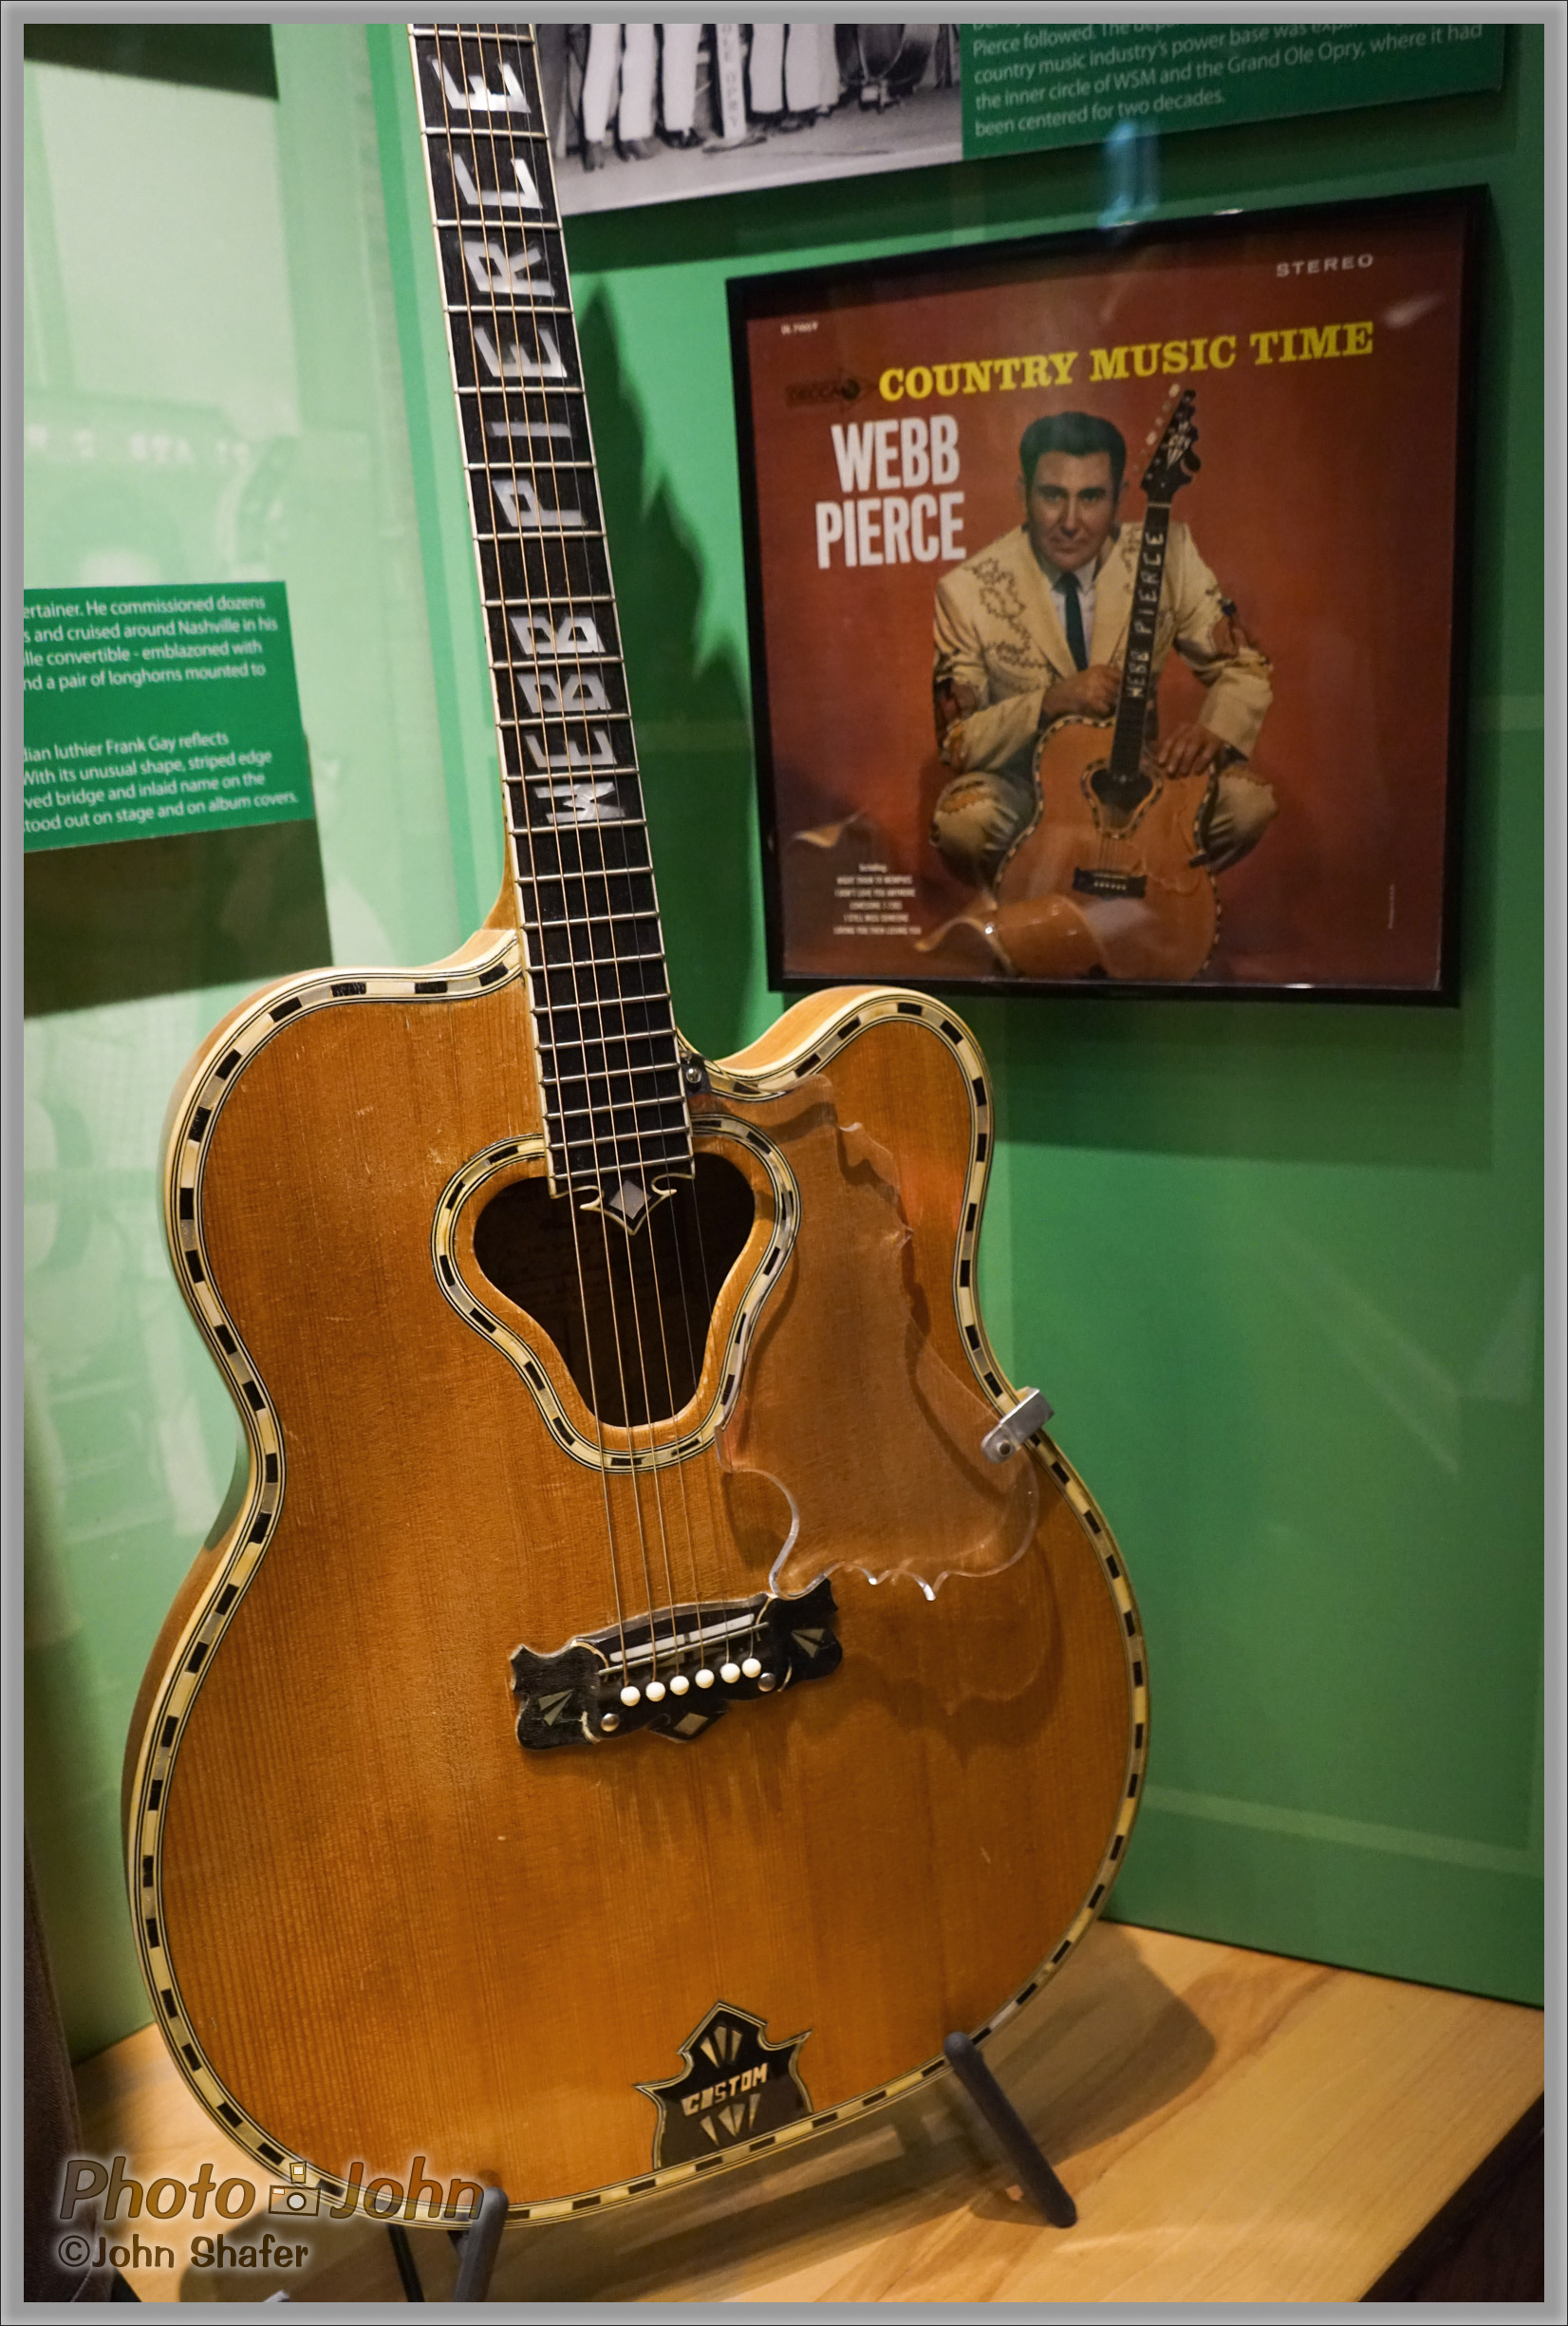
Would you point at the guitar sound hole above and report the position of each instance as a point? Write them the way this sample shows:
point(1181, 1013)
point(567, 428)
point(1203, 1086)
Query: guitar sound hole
point(1118, 794)
point(629, 1313)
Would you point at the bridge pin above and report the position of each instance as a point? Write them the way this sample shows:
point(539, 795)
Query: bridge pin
point(751, 1668)
point(767, 1681)
point(630, 1695)
point(704, 1678)
point(610, 1722)
point(729, 1673)
point(656, 1692)
point(680, 1685)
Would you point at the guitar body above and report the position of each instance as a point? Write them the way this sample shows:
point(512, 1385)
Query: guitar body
point(1096, 882)
point(377, 1927)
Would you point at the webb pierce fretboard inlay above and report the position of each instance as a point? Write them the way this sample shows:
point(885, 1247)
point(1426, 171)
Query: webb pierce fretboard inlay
point(616, 1116)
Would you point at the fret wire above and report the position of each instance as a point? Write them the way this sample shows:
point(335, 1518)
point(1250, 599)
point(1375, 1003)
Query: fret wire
point(621, 871)
point(564, 661)
point(671, 1068)
point(663, 1078)
point(564, 719)
point(611, 1000)
point(603, 1042)
point(665, 1088)
point(526, 387)
point(450, 137)
point(624, 1034)
point(617, 1105)
point(599, 1004)
point(510, 606)
point(623, 823)
point(599, 920)
point(600, 771)
point(599, 1041)
point(573, 1099)
point(514, 133)
point(484, 467)
point(536, 307)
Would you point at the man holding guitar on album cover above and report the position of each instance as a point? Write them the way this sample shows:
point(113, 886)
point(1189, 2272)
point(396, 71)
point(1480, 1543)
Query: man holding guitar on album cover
point(1031, 627)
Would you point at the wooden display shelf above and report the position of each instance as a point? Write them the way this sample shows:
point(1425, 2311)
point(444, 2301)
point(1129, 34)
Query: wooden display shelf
point(1233, 2126)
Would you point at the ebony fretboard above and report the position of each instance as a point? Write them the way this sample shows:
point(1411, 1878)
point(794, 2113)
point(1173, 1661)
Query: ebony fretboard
point(615, 1111)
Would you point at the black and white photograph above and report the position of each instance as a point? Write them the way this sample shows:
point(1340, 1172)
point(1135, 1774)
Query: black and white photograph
point(663, 113)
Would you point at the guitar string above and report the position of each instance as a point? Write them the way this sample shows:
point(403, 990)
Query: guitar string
point(674, 1200)
point(629, 1228)
point(577, 828)
point(697, 1595)
point(543, 1006)
point(709, 1468)
point(696, 1351)
point(593, 963)
point(638, 1134)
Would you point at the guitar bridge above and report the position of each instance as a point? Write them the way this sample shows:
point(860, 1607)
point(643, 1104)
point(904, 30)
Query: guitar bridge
point(1091, 881)
point(675, 1672)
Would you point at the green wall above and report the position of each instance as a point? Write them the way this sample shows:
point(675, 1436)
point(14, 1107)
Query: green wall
point(212, 392)
point(1277, 1268)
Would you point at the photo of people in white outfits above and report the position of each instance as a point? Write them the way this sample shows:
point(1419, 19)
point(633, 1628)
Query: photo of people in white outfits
point(658, 113)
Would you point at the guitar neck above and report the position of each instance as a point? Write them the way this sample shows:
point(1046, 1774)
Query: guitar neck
point(1132, 704)
point(579, 866)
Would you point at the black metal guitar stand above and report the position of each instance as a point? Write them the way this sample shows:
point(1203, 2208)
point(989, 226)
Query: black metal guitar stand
point(1038, 2182)
point(476, 2248)
point(478, 2243)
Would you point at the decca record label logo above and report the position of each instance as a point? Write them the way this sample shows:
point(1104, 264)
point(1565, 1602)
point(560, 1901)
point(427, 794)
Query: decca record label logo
point(814, 392)
point(737, 2086)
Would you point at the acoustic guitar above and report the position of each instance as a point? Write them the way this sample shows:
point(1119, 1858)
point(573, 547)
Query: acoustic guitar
point(1105, 878)
point(654, 1677)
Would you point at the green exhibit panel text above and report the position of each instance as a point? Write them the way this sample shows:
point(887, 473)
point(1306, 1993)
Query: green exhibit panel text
point(158, 711)
point(1030, 86)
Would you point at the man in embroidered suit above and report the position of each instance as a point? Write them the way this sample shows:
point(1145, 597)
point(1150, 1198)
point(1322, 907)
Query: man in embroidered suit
point(1035, 626)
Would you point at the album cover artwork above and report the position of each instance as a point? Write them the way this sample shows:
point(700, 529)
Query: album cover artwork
point(1106, 602)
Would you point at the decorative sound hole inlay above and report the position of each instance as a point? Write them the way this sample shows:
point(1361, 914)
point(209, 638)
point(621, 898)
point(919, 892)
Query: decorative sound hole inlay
point(626, 1293)
point(635, 1359)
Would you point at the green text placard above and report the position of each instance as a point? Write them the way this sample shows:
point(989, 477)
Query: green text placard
point(158, 711)
point(1031, 85)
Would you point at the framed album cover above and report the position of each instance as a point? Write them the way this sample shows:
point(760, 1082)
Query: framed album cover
point(1106, 600)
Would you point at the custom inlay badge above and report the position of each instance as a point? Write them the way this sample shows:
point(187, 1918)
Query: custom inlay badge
point(737, 2086)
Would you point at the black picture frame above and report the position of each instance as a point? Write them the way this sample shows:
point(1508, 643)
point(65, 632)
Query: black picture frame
point(1453, 219)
